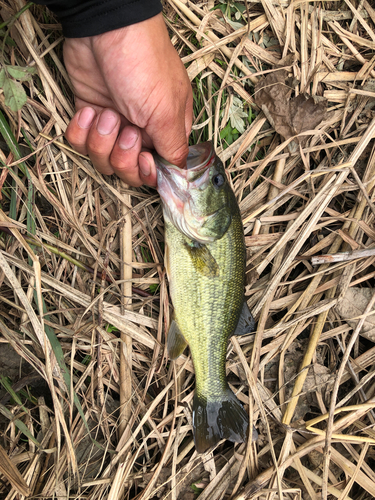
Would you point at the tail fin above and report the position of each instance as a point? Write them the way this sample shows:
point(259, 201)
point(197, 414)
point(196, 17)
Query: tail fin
point(214, 420)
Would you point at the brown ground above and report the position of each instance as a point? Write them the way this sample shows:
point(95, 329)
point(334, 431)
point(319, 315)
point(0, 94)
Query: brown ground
point(299, 147)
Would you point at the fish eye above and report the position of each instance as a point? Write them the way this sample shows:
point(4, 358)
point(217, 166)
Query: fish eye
point(218, 180)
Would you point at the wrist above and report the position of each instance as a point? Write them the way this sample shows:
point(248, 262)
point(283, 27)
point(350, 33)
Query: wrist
point(135, 34)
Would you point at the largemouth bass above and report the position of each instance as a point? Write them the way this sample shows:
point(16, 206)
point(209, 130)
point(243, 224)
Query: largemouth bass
point(205, 263)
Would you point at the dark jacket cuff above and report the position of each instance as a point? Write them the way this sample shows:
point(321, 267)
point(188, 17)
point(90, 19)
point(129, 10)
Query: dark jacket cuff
point(89, 18)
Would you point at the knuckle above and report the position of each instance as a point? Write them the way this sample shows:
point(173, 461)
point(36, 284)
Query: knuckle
point(97, 150)
point(102, 165)
point(122, 163)
point(129, 178)
point(134, 183)
point(73, 140)
point(126, 168)
point(105, 170)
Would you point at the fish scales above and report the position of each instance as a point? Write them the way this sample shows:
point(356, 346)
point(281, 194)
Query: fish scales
point(207, 309)
point(205, 262)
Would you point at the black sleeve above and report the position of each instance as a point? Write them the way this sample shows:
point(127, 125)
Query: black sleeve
point(93, 17)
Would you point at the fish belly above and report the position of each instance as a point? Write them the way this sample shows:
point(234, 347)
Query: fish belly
point(207, 308)
point(206, 311)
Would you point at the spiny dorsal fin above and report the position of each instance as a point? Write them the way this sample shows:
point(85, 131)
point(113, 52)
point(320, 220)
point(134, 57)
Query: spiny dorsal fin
point(203, 260)
point(246, 323)
point(176, 342)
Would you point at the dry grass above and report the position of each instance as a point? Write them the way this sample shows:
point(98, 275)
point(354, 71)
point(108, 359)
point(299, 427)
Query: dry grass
point(84, 299)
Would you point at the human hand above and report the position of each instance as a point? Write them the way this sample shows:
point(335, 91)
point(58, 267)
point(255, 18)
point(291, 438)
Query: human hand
point(132, 92)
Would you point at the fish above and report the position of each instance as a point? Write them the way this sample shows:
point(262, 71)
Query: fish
point(205, 265)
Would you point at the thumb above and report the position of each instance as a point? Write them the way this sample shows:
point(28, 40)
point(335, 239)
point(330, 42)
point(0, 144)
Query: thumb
point(176, 153)
point(170, 132)
point(172, 144)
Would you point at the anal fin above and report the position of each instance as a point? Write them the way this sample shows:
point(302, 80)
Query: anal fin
point(176, 342)
point(246, 324)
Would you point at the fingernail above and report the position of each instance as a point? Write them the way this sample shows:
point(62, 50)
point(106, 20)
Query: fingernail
point(128, 138)
point(86, 117)
point(107, 122)
point(144, 166)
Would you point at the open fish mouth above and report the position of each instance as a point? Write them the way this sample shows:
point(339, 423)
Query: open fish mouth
point(200, 158)
point(175, 185)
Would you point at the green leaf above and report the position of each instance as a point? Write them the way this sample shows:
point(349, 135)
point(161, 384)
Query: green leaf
point(111, 328)
point(236, 115)
point(235, 25)
point(15, 95)
point(240, 7)
point(4, 381)
point(9, 138)
point(21, 73)
point(16, 16)
point(30, 220)
point(195, 488)
point(26, 395)
point(9, 41)
point(226, 130)
point(2, 78)
point(86, 360)
point(153, 287)
point(19, 424)
point(12, 144)
point(252, 115)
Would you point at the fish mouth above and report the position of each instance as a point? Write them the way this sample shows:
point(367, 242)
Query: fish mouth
point(199, 157)
point(174, 185)
point(179, 180)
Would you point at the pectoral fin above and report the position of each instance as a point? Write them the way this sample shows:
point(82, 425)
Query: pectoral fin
point(203, 260)
point(176, 342)
point(246, 323)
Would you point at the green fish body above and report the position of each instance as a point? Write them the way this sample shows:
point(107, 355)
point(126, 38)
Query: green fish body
point(205, 262)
